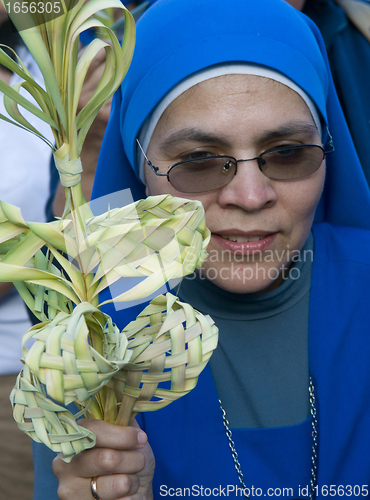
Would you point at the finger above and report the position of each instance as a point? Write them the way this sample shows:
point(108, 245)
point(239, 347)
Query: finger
point(100, 462)
point(112, 487)
point(115, 436)
point(117, 486)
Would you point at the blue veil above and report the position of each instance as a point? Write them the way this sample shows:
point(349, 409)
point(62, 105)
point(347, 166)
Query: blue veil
point(176, 38)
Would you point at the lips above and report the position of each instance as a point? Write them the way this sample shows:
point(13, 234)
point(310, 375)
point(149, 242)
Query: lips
point(244, 243)
point(242, 239)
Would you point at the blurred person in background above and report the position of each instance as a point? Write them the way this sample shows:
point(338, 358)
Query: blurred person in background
point(349, 56)
point(24, 168)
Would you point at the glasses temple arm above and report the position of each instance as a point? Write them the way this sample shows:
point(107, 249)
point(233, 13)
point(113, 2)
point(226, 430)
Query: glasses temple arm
point(146, 158)
point(329, 141)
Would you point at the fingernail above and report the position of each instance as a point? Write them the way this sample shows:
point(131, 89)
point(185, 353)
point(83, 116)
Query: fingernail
point(141, 437)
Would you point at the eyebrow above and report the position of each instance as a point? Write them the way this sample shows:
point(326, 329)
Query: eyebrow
point(289, 129)
point(194, 134)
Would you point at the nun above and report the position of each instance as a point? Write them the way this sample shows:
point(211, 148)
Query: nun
point(233, 104)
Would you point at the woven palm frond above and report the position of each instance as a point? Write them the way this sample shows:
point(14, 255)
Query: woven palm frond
point(45, 421)
point(78, 355)
point(168, 343)
point(156, 239)
point(62, 366)
point(171, 344)
point(67, 362)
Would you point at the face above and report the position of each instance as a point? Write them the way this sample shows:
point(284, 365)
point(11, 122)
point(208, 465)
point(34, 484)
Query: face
point(298, 4)
point(257, 224)
point(3, 14)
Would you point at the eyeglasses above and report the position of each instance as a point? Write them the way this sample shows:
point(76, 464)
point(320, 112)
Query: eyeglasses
point(214, 172)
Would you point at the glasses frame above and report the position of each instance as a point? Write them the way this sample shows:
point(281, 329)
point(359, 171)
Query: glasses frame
point(258, 158)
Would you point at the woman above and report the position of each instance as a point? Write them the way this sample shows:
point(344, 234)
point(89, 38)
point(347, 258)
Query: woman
point(247, 81)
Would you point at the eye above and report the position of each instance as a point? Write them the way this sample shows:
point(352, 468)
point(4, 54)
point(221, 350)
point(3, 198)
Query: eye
point(196, 155)
point(287, 153)
point(284, 153)
point(286, 149)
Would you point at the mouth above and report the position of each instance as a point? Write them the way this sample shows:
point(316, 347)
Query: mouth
point(244, 243)
point(241, 239)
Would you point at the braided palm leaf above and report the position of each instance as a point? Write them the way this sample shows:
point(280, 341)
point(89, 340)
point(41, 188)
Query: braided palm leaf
point(159, 238)
point(78, 355)
point(168, 342)
point(45, 421)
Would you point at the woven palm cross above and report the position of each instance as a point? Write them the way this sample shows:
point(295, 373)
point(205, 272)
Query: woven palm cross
point(76, 354)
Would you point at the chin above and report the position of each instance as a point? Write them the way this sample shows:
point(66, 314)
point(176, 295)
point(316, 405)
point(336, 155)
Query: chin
point(244, 279)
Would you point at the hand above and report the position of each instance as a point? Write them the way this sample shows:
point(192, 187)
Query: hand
point(92, 79)
point(91, 148)
point(5, 288)
point(3, 14)
point(122, 460)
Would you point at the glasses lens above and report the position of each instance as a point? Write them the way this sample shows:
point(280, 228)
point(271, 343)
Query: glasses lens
point(204, 174)
point(292, 162)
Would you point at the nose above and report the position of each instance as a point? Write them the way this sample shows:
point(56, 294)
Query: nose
point(249, 189)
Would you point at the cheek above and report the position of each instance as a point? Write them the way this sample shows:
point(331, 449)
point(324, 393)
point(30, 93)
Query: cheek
point(159, 185)
point(300, 198)
point(154, 184)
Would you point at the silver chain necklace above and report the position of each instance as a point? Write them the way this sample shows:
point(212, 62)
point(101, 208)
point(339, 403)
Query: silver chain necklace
point(314, 445)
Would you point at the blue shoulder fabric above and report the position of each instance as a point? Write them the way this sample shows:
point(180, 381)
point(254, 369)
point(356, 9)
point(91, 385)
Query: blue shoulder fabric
point(176, 38)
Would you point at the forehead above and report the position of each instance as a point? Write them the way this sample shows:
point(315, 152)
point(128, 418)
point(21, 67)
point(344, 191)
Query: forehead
point(234, 101)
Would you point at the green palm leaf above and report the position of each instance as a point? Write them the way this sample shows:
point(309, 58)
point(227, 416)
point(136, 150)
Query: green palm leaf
point(78, 355)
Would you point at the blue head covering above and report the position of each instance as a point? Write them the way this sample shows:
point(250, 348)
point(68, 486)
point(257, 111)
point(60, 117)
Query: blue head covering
point(176, 38)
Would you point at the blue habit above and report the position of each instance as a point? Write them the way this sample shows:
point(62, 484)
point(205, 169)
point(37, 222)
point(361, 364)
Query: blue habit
point(188, 437)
